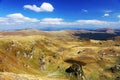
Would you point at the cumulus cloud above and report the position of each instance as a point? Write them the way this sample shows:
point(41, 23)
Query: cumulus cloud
point(56, 21)
point(93, 22)
point(60, 21)
point(52, 21)
point(106, 15)
point(2, 19)
point(45, 7)
point(16, 18)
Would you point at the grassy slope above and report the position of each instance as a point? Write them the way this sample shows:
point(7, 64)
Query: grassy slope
point(48, 44)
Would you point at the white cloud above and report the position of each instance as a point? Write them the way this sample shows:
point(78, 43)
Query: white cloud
point(52, 21)
point(56, 21)
point(60, 21)
point(78, 24)
point(2, 19)
point(106, 15)
point(93, 22)
point(15, 15)
point(118, 16)
point(45, 7)
point(20, 21)
point(16, 18)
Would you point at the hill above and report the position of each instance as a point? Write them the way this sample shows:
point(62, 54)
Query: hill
point(98, 34)
point(21, 51)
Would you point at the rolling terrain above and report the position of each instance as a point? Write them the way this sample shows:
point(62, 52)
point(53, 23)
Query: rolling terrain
point(20, 53)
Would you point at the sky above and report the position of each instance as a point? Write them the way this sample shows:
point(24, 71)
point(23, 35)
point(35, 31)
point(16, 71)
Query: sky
point(59, 14)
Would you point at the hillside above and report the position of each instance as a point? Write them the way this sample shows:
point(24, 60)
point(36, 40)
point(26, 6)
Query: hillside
point(20, 53)
point(98, 34)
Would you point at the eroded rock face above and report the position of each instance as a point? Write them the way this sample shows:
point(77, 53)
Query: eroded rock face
point(75, 70)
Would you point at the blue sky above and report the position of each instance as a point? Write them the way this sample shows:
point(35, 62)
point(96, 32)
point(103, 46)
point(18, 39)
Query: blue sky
point(59, 14)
